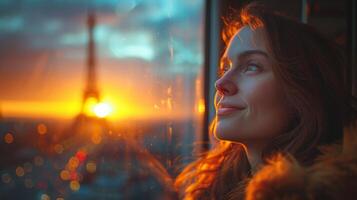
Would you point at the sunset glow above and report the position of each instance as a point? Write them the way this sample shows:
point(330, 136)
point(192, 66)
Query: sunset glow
point(89, 105)
point(113, 109)
point(102, 109)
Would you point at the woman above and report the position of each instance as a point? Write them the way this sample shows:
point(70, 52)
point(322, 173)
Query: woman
point(282, 90)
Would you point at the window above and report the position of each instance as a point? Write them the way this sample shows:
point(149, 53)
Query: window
point(99, 99)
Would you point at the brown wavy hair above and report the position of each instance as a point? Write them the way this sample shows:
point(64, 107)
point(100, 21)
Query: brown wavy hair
point(313, 73)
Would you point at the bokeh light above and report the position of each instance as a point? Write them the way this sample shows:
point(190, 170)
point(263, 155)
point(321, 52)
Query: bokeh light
point(81, 155)
point(20, 171)
point(6, 178)
point(38, 160)
point(74, 185)
point(58, 148)
point(91, 167)
point(96, 138)
point(65, 175)
point(8, 138)
point(73, 175)
point(73, 163)
point(41, 129)
point(45, 197)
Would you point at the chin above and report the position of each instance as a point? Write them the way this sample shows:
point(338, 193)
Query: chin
point(231, 133)
point(223, 133)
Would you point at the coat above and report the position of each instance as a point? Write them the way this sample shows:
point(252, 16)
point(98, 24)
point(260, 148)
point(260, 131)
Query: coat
point(332, 176)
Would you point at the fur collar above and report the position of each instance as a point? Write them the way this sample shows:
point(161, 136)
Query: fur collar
point(332, 176)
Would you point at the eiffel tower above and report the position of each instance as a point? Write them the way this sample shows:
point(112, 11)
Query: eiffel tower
point(87, 126)
point(91, 92)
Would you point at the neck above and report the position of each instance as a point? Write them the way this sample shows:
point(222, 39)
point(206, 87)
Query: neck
point(254, 153)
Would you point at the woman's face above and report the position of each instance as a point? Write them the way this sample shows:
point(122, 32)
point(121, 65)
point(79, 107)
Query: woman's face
point(249, 101)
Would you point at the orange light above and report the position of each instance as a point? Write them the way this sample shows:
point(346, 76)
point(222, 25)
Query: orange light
point(42, 129)
point(102, 109)
point(201, 106)
point(112, 107)
point(96, 138)
point(9, 138)
point(99, 109)
point(74, 185)
point(91, 167)
point(65, 175)
point(73, 163)
point(89, 104)
point(20, 171)
point(61, 109)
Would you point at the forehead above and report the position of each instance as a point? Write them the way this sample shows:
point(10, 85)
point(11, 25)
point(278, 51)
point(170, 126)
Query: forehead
point(244, 40)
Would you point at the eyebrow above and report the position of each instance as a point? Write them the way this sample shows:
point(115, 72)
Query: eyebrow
point(246, 54)
point(251, 52)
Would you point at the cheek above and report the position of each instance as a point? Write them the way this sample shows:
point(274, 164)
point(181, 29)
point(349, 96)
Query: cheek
point(267, 114)
point(261, 93)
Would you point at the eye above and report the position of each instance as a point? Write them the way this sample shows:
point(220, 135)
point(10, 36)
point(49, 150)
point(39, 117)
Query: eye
point(252, 68)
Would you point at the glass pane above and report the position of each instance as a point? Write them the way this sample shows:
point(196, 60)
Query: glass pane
point(98, 99)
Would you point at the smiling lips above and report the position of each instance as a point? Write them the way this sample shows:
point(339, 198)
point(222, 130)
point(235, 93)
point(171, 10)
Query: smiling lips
point(224, 109)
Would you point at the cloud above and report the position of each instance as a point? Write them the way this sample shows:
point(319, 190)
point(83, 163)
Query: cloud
point(10, 24)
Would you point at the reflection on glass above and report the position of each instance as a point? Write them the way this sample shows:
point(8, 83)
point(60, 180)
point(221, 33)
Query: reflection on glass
point(102, 109)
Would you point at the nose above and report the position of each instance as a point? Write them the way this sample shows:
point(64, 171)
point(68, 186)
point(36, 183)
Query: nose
point(226, 86)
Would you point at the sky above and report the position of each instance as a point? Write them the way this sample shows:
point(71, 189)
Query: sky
point(149, 55)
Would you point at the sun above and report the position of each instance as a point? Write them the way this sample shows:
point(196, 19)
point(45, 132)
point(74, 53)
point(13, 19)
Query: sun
point(102, 109)
point(95, 108)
